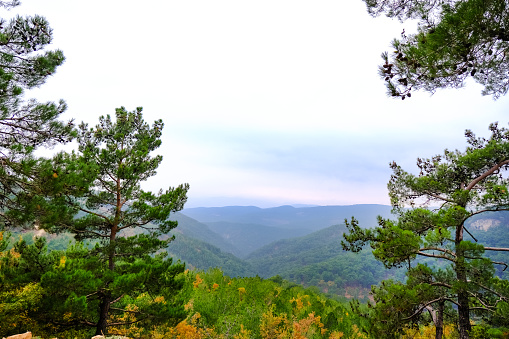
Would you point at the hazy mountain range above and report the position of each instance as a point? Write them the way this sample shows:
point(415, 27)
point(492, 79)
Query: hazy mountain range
point(301, 244)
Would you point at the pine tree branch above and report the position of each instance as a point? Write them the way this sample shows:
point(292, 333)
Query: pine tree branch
point(441, 284)
point(422, 307)
point(87, 231)
point(436, 196)
point(497, 249)
point(94, 213)
point(432, 248)
point(482, 309)
point(500, 263)
point(126, 323)
point(435, 256)
point(116, 300)
point(486, 174)
point(489, 289)
point(127, 311)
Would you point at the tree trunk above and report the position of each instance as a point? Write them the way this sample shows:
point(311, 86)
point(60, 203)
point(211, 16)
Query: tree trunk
point(439, 324)
point(463, 314)
point(461, 275)
point(104, 308)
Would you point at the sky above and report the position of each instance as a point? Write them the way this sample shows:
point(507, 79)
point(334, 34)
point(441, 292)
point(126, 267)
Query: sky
point(265, 103)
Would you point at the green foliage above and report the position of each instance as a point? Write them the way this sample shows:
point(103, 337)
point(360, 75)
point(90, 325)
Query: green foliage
point(228, 305)
point(25, 126)
point(463, 184)
point(128, 226)
point(55, 292)
point(316, 260)
point(455, 40)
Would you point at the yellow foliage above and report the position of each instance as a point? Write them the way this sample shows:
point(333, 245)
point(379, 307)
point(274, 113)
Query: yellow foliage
point(274, 326)
point(243, 334)
point(160, 300)
point(304, 328)
point(242, 291)
point(357, 333)
point(198, 281)
point(130, 316)
point(299, 302)
point(185, 330)
point(279, 327)
point(336, 335)
point(62, 262)
point(189, 305)
point(429, 331)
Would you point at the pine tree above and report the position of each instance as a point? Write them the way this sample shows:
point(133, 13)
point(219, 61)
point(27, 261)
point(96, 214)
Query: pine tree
point(25, 126)
point(101, 183)
point(456, 40)
point(461, 185)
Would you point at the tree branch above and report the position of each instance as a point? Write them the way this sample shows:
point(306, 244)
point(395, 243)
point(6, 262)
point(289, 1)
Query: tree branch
point(436, 196)
point(422, 307)
point(497, 249)
point(116, 300)
point(486, 174)
point(435, 256)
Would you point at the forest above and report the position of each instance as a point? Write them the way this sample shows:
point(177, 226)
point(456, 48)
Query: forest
point(86, 251)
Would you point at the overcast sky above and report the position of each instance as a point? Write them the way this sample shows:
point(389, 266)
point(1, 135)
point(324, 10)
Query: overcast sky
point(265, 103)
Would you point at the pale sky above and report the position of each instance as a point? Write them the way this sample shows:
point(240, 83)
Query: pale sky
point(265, 102)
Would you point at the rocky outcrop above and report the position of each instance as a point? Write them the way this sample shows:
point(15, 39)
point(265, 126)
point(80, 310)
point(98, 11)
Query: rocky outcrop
point(485, 224)
point(27, 335)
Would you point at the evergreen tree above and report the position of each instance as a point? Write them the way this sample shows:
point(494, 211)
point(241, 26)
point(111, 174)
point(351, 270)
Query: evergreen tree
point(25, 125)
point(101, 183)
point(456, 40)
point(462, 185)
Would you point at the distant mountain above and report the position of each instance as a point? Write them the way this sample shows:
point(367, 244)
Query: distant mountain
point(250, 237)
point(200, 247)
point(317, 259)
point(202, 255)
point(199, 231)
point(283, 255)
point(311, 218)
point(214, 214)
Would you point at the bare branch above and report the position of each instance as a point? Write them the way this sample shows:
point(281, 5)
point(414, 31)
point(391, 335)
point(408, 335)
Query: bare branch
point(497, 249)
point(116, 300)
point(422, 307)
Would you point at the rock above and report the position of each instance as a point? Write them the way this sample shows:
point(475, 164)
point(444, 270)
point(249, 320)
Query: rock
point(27, 335)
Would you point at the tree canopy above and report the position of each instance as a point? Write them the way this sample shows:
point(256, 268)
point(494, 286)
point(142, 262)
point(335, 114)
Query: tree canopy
point(95, 195)
point(455, 40)
point(25, 125)
point(450, 189)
